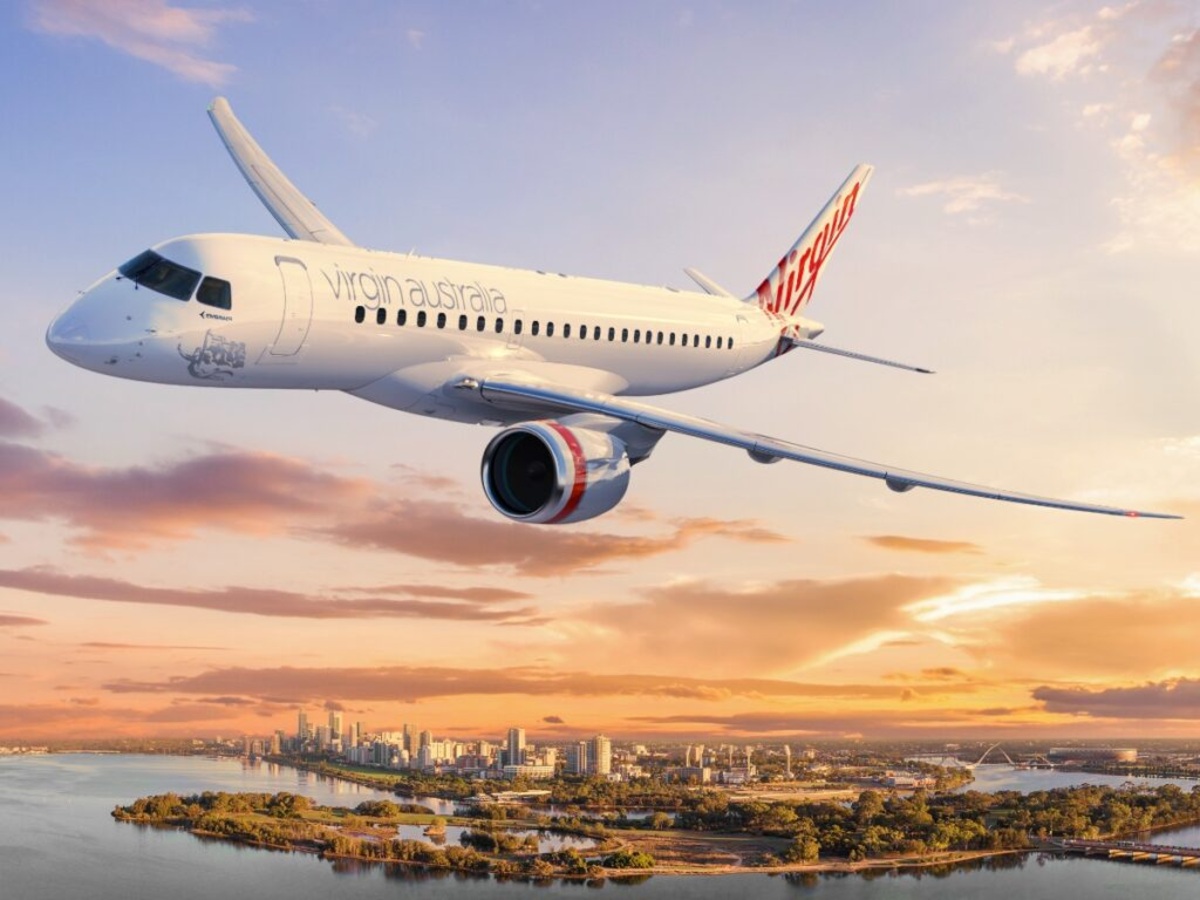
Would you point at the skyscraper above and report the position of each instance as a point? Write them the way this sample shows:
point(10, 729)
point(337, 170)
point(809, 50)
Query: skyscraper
point(516, 747)
point(601, 755)
point(335, 725)
point(302, 727)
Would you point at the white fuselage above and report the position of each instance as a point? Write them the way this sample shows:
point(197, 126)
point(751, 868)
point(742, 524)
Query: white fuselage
point(396, 329)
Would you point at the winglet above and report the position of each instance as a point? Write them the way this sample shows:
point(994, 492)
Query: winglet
point(295, 213)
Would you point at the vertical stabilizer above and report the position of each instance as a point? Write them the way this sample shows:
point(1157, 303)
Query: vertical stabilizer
point(789, 286)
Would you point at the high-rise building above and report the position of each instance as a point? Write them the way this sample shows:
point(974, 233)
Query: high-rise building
point(600, 752)
point(302, 727)
point(335, 725)
point(516, 747)
point(408, 738)
point(577, 758)
point(425, 739)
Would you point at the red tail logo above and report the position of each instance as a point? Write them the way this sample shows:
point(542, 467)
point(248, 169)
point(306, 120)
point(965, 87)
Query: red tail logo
point(789, 287)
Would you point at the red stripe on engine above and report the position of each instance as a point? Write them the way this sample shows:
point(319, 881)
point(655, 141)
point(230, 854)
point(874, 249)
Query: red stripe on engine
point(580, 485)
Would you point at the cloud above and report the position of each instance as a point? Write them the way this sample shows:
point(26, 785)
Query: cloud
point(758, 628)
point(409, 684)
point(553, 720)
point(416, 38)
point(1174, 699)
point(1070, 53)
point(109, 645)
point(13, 621)
point(357, 123)
point(468, 594)
point(920, 545)
point(16, 422)
point(255, 493)
point(151, 30)
point(440, 531)
point(255, 601)
point(965, 193)
point(1135, 634)
point(1151, 123)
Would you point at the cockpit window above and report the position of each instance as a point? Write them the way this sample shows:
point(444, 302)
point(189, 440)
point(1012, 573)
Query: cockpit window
point(215, 292)
point(159, 274)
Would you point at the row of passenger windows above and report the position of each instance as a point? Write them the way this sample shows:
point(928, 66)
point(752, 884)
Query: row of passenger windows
point(624, 335)
point(150, 270)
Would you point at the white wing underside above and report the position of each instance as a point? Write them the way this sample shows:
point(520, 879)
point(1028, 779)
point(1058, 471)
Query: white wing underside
point(555, 400)
point(295, 213)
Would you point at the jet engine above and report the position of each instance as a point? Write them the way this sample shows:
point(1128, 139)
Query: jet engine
point(548, 473)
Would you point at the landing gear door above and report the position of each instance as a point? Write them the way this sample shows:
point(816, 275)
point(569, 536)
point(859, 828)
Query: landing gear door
point(297, 307)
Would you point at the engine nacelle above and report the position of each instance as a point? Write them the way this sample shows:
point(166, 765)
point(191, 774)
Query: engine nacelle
point(547, 473)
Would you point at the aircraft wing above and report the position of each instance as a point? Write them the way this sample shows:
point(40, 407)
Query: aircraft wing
point(557, 400)
point(295, 213)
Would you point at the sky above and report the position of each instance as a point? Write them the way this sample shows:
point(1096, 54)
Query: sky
point(188, 562)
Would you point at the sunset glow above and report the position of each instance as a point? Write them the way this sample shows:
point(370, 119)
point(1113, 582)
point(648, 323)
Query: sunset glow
point(186, 562)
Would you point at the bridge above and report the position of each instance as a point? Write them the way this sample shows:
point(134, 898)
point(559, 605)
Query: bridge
point(1130, 851)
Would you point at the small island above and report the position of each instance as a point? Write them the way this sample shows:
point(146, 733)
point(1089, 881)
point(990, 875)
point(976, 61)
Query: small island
point(709, 833)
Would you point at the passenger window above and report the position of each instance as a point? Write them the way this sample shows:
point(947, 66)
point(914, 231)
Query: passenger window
point(517, 327)
point(549, 329)
point(659, 341)
point(533, 329)
point(596, 334)
point(566, 331)
point(215, 292)
point(480, 323)
point(441, 320)
point(401, 316)
point(729, 343)
point(672, 340)
point(462, 323)
point(499, 325)
point(718, 343)
point(380, 316)
point(360, 313)
point(612, 334)
point(624, 335)
point(421, 317)
point(708, 342)
point(637, 334)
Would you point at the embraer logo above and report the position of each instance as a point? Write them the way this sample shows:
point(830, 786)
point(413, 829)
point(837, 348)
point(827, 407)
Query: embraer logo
point(796, 275)
point(373, 290)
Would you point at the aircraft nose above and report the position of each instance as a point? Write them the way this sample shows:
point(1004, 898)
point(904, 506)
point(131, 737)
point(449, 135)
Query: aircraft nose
point(67, 335)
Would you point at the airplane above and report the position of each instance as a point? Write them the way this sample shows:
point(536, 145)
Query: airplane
point(553, 360)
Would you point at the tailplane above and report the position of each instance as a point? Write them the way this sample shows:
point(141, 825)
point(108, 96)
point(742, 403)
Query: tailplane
point(788, 287)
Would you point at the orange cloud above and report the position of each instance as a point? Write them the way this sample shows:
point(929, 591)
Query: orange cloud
point(920, 545)
point(255, 601)
point(440, 531)
point(410, 684)
point(763, 628)
point(13, 621)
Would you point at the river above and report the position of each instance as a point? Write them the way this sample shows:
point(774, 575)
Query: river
point(57, 840)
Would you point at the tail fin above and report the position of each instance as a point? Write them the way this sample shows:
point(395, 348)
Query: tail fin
point(789, 286)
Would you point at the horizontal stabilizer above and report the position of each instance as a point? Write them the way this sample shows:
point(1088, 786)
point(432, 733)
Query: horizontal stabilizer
point(707, 284)
point(295, 213)
point(850, 354)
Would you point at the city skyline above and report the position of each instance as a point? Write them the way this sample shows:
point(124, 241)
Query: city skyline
point(185, 562)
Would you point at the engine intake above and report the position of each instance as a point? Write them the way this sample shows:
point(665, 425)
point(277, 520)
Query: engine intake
point(549, 473)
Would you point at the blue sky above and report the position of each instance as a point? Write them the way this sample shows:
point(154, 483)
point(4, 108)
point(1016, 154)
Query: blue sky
point(1031, 233)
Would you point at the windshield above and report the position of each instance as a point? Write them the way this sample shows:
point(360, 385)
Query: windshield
point(152, 271)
